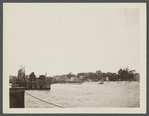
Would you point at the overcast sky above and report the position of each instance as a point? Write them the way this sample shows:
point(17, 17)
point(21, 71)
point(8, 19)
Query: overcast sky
point(61, 38)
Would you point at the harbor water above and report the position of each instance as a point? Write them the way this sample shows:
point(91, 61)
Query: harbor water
point(86, 95)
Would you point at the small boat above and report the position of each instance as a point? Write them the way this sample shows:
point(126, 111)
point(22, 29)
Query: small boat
point(101, 82)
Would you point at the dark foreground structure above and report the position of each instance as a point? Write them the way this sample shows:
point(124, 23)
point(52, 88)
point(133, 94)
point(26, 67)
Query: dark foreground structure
point(16, 97)
point(19, 86)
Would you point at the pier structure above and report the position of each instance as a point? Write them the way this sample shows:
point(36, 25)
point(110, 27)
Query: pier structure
point(16, 97)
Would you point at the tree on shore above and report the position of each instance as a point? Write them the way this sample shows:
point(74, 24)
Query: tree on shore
point(125, 74)
point(69, 75)
point(112, 76)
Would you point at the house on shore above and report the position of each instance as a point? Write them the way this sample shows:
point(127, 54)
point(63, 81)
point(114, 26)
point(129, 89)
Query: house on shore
point(137, 76)
point(75, 79)
point(64, 78)
point(61, 78)
point(57, 78)
point(81, 78)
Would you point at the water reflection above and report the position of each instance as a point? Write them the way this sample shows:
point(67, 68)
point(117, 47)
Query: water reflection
point(89, 94)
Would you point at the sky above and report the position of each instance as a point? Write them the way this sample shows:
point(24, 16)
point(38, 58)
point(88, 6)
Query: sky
point(61, 38)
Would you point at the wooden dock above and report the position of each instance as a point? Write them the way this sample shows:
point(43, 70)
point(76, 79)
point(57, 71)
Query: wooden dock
point(16, 97)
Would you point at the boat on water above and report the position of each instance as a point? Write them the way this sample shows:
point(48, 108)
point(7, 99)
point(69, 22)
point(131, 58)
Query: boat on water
point(76, 82)
point(101, 82)
point(67, 82)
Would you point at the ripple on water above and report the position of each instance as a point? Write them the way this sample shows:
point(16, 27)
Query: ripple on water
point(87, 95)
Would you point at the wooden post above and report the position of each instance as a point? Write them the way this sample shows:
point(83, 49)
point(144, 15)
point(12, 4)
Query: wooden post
point(16, 98)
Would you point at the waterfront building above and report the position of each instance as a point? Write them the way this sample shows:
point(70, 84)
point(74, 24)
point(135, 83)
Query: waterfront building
point(137, 76)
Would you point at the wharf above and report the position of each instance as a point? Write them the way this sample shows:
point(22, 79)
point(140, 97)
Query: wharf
point(17, 96)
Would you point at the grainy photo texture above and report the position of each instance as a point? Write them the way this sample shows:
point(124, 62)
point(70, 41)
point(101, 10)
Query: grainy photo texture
point(77, 56)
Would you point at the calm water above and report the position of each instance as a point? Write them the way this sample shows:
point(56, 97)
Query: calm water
point(88, 94)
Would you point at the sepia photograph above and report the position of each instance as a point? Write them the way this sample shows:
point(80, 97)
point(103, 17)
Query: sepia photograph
point(74, 57)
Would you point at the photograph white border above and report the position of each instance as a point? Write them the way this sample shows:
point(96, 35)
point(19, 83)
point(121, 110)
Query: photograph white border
point(143, 66)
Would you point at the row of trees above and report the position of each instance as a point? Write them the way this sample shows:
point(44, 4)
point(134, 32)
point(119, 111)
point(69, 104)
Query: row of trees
point(122, 75)
point(126, 74)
